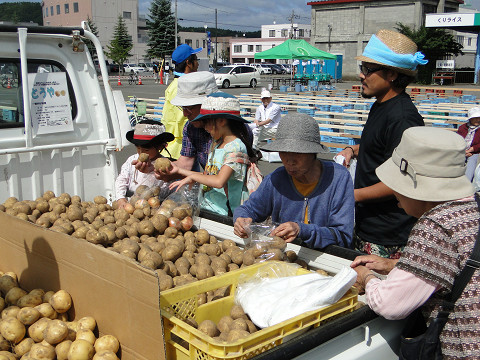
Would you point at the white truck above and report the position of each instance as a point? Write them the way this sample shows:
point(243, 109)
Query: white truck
point(61, 130)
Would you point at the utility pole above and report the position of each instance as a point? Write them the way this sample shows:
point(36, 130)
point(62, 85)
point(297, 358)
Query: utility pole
point(176, 20)
point(216, 39)
point(290, 18)
point(441, 6)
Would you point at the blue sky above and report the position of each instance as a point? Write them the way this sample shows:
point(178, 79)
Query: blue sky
point(243, 15)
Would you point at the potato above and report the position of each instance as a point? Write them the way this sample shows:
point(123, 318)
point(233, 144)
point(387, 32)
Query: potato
point(291, 256)
point(302, 263)
point(81, 350)
point(55, 332)
point(171, 253)
point(4, 344)
point(63, 317)
point(201, 299)
point(224, 324)
point(21, 207)
point(87, 335)
point(35, 331)
point(251, 326)
point(28, 315)
point(99, 200)
point(107, 343)
point(143, 157)
point(13, 295)
point(10, 202)
point(171, 232)
point(74, 213)
point(169, 268)
point(46, 310)
point(30, 300)
point(145, 227)
point(96, 237)
point(23, 346)
point(62, 349)
point(236, 312)
point(105, 355)
point(204, 271)
point(166, 282)
point(321, 272)
point(61, 301)
point(12, 329)
point(202, 237)
point(162, 164)
point(237, 257)
point(273, 254)
point(235, 335)
point(239, 324)
point(42, 351)
point(10, 311)
point(208, 327)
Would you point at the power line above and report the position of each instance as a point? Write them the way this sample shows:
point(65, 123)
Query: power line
point(206, 7)
point(212, 22)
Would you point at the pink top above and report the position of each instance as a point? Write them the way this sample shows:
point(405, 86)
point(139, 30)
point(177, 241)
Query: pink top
point(398, 295)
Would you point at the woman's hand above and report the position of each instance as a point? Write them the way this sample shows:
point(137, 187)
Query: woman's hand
point(240, 227)
point(376, 263)
point(178, 184)
point(364, 275)
point(288, 231)
point(121, 203)
point(469, 151)
point(166, 175)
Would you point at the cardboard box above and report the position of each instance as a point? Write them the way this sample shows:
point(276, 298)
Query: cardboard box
point(121, 295)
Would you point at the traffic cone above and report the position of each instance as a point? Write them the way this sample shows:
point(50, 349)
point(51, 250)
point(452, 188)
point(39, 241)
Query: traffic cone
point(161, 77)
point(9, 85)
point(119, 83)
point(140, 80)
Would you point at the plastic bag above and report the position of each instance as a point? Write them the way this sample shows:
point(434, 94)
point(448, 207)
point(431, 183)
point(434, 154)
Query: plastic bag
point(144, 192)
point(262, 245)
point(184, 202)
point(285, 297)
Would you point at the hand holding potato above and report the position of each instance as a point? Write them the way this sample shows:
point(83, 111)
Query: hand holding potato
point(242, 226)
point(288, 231)
point(144, 167)
point(121, 203)
point(165, 172)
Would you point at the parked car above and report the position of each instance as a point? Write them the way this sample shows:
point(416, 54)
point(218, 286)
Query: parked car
point(133, 68)
point(97, 66)
point(236, 75)
point(287, 67)
point(262, 69)
point(276, 69)
point(147, 66)
point(114, 68)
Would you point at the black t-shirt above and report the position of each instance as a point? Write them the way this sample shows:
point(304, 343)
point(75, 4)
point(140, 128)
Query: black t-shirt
point(383, 222)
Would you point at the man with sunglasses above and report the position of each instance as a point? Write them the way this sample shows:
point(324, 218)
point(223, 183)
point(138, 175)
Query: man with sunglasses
point(388, 65)
point(185, 59)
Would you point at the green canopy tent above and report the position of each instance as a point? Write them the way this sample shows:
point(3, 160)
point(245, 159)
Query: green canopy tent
point(296, 49)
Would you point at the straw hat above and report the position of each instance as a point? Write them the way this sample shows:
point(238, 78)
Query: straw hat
point(149, 133)
point(220, 105)
point(193, 88)
point(428, 165)
point(297, 133)
point(398, 44)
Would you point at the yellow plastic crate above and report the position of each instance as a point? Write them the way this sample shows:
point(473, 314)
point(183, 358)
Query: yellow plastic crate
point(185, 342)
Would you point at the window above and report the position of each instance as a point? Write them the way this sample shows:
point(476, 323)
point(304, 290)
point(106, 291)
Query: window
point(469, 41)
point(11, 108)
point(188, 42)
point(247, 69)
point(51, 10)
point(271, 33)
point(127, 15)
point(250, 48)
point(198, 43)
point(67, 10)
point(204, 43)
point(284, 32)
point(237, 48)
point(58, 9)
point(301, 32)
point(46, 11)
point(460, 39)
point(258, 48)
point(75, 7)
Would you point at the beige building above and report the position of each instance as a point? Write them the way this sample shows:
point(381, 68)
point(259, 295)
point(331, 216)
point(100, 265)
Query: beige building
point(104, 13)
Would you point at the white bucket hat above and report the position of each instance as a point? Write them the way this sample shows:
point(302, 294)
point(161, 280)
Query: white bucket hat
point(265, 94)
point(428, 165)
point(193, 88)
point(474, 112)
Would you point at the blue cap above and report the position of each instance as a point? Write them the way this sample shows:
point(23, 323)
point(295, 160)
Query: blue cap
point(182, 52)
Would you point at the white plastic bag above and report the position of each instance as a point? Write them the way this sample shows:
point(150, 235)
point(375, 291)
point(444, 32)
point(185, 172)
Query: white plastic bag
point(269, 301)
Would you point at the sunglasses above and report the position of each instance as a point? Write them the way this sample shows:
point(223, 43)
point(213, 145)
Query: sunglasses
point(365, 70)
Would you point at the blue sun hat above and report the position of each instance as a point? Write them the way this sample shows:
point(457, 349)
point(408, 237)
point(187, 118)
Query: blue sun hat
point(393, 50)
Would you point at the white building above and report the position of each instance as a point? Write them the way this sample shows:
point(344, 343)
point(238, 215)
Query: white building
point(242, 50)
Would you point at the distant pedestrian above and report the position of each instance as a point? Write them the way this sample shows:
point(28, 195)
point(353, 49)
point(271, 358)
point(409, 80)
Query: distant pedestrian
point(470, 132)
point(167, 72)
point(267, 118)
point(155, 71)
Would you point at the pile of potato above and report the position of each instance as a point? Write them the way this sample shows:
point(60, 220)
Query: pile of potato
point(35, 326)
point(157, 234)
point(230, 328)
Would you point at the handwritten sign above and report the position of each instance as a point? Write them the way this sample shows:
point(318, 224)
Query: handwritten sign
point(449, 20)
point(49, 103)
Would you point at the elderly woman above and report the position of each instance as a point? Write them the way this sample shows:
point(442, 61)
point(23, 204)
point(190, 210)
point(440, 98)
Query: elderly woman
point(310, 199)
point(427, 174)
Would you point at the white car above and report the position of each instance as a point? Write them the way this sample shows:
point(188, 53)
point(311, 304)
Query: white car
point(236, 75)
point(263, 69)
point(147, 66)
point(133, 68)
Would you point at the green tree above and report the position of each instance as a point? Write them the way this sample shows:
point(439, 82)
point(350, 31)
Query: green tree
point(161, 29)
point(435, 44)
point(121, 44)
point(21, 12)
point(89, 43)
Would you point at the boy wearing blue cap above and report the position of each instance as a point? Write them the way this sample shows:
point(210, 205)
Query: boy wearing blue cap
point(388, 64)
point(185, 59)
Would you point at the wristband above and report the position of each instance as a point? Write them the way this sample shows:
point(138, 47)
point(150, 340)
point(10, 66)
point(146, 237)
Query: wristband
point(349, 147)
